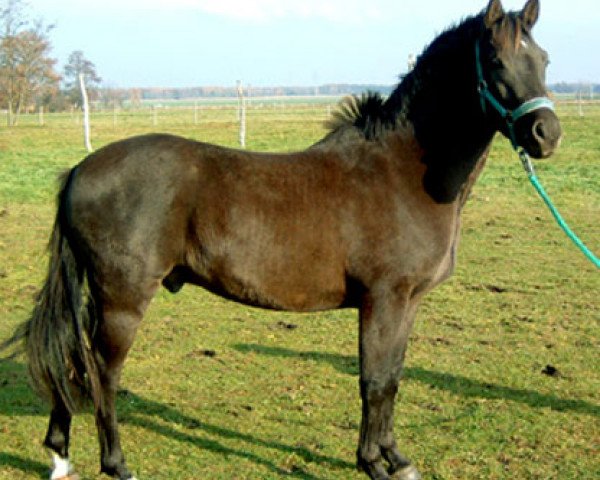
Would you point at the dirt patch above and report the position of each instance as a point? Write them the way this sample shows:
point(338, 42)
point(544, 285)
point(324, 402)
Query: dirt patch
point(551, 371)
point(285, 326)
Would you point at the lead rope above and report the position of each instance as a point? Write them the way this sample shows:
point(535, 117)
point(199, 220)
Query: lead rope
point(528, 166)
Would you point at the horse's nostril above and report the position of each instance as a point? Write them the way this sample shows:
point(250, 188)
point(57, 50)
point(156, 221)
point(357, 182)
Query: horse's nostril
point(539, 132)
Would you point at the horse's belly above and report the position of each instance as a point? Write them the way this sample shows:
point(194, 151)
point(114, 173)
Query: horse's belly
point(268, 283)
point(298, 288)
point(281, 293)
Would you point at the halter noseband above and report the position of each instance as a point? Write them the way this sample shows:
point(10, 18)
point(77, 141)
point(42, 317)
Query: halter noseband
point(509, 116)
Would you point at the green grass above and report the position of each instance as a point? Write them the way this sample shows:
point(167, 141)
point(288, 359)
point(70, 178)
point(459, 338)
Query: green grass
point(277, 402)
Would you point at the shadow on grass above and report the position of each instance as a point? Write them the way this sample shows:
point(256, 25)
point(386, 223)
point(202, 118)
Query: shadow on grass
point(17, 399)
point(138, 412)
point(456, 384)
point(23, 464)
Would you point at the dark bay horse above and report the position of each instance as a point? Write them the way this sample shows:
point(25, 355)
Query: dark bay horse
point(367, 218)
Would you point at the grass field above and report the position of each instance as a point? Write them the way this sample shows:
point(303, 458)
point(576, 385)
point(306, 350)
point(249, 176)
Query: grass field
point(278, 402)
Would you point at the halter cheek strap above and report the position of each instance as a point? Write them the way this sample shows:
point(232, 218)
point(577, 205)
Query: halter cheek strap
point(509, 116)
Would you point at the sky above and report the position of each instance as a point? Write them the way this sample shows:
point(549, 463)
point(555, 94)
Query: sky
point(185, 43)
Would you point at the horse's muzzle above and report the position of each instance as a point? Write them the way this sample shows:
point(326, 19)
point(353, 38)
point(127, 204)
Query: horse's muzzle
point(539, 133)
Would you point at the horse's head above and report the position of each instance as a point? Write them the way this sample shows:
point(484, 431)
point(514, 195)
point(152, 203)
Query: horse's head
point(512, 79)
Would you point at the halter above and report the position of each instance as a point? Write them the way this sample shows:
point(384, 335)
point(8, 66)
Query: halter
point(509, 116)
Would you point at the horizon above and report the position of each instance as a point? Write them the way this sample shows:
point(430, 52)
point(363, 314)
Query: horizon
point(311, 88)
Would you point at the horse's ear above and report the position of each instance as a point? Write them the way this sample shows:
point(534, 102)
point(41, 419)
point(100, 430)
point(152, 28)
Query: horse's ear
point(494, 13)
point(530, 13)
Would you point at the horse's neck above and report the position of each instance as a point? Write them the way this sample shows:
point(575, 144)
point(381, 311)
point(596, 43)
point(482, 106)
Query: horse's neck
point(452, 171)
point(450, 128)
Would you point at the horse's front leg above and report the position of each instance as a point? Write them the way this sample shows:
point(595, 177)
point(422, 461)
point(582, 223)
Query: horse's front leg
point(385, 324)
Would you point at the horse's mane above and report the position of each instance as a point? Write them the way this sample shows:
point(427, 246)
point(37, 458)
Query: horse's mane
point(367, 113)
point(373, 115)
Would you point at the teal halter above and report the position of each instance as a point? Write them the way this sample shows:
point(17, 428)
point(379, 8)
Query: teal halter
point(509, 116)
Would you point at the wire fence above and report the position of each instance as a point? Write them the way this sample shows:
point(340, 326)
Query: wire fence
point(192, 117)
point(185, 112)
point(290, 122)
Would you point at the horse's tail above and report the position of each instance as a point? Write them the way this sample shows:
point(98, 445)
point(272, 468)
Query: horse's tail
point(57, 336)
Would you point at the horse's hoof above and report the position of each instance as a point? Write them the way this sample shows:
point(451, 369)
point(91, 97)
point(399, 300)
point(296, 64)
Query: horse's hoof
point(407, 473)
point(374, 470)
point(71, 476)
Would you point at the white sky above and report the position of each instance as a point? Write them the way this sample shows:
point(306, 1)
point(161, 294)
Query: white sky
point(175, 43)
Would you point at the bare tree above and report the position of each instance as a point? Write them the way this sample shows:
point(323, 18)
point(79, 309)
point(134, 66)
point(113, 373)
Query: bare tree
point(12, 17)
point(78, 65)
point(26, 70)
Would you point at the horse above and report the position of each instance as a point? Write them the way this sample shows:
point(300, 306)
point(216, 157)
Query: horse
point(367, 218)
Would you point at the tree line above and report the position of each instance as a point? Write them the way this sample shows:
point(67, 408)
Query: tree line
point(583, 88)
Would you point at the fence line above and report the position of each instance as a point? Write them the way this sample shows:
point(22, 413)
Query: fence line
point(159, 115)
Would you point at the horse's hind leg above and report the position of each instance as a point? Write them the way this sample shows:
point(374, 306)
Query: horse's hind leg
point(385, 326)
point(116, 330)
point(57, 439)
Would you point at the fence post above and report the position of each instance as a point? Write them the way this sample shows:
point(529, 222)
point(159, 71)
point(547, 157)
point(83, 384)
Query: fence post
point(86, 113)
point(242, 113)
